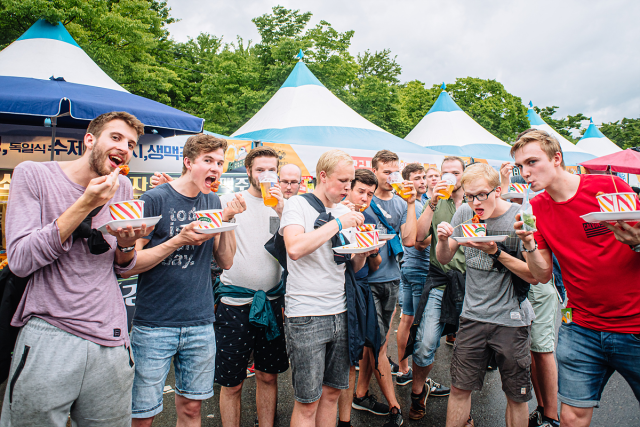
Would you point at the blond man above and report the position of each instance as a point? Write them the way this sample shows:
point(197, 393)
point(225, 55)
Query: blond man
point(496, 316)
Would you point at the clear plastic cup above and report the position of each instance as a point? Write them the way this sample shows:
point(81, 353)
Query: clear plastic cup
point(451, 181)
point(267, 180)
point(396, 181)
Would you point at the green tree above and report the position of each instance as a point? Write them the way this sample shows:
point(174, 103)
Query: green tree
point(415, 102)
point(625, 133)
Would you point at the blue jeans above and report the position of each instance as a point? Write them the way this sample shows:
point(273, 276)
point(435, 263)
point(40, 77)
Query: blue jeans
point(586, 360)
point(411, 282)
point(193, 350)
point(429, 331)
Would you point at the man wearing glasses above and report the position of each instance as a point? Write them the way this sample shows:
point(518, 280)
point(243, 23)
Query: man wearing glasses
point(496, 315)
point(290, 178)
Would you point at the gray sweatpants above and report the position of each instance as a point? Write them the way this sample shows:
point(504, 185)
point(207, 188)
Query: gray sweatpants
point(54, 373)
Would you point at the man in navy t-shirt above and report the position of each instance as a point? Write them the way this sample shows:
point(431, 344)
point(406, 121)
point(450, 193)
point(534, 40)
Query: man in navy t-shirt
point(174, 305)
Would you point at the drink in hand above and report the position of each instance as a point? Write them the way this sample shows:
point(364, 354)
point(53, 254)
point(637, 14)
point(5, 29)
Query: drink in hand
point(267, 180)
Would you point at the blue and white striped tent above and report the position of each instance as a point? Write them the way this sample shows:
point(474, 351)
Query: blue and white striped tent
point(448, 129)
point(307, 116)
point(594, 142)
point(572, 154)
point(45, 73)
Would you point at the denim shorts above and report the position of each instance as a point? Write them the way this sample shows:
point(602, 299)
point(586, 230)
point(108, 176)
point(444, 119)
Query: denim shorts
point(318, 348)
point(193, 349)
point(429, 331)
point(411, 282)
point(586, 360)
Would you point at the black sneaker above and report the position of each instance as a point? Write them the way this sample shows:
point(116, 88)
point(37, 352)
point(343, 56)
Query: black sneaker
point(395, 368)
point(535, 418)
point(437, 389)
point(548, 422)
point(419, 404)
point(404, 379)
point(369, 402)
point(394, 419)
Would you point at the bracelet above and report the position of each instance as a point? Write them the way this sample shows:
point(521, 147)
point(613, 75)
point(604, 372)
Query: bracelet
point(127, 249)
point(635, 248)
point(339, 224)
point(433, 207)
point(532, 250)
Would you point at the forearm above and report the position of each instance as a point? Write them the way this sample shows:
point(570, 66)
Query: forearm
point(539, 266)
point(358, 261)
point(225, 249)
point(409, 227)
point(72, 217)
point(518, 267)
point(424, 224)
point(374, 263)
point(303, 244)
point(423, 245)
point(149, 258)
point(123, 259)
point(444, 252)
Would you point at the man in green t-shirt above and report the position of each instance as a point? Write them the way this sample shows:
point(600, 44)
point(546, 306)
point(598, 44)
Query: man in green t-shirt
point(430, 326)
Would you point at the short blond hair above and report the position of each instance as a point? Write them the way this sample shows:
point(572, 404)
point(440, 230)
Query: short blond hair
point(330, 159)
point(548, 143)
point(480, 171)
point(432, 168)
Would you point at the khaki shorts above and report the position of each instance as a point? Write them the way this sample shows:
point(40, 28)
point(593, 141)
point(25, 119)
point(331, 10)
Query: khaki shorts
point(474, 346)
point(544, 300)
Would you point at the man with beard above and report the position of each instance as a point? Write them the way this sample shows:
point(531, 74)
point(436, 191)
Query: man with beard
point(72, 355)
point(174, 304)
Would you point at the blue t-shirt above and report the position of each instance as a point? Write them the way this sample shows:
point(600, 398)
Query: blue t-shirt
point(364, 271)
point(177, 292)
point(395, 212)
point(414, 258)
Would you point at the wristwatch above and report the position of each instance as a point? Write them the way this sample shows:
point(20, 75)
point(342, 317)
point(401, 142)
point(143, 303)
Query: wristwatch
point(127, 249)
point(232, 220)
point(496, 255)
point(635, 248)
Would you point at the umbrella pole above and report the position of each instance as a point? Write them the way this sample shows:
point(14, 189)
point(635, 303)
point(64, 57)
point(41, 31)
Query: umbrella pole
point(54, 121)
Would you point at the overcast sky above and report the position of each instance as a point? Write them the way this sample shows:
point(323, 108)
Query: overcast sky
point(583, 56)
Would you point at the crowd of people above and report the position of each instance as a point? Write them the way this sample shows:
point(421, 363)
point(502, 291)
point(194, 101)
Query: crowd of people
point(286, 299)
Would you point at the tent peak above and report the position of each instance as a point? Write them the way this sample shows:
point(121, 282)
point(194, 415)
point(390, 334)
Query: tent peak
point(42, 29)
point(444, 103)
point(301, 76)
point(444, 86)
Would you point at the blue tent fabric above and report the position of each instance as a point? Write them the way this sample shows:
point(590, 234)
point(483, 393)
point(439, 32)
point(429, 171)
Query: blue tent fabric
point(336, 136)
point(301, 76)
point(444, 103)
point(480, 151)
point(44, 30)
point(30, 100)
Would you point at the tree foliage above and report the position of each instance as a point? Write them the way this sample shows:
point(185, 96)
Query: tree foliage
point(567, 127)
point(227, 82)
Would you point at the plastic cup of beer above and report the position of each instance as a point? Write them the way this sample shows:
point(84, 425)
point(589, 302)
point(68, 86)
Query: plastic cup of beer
point(267, 180)
point(451, 181)
point(396, 181)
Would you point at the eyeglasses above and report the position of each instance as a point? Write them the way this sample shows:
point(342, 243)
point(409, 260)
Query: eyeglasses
point(289, 183)
point(479, 197)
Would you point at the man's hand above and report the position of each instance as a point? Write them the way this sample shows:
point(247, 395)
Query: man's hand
point(625, 233)
point(488, 248)
point(351, 219)
point(505, 170)
point(101, 189)
point(444, 230)
point(127, 236)
point(413, 193)
point(235, 206)
point(348, 204)
point(526, 236)
point(276, 192)
point(188, 235)
point(440, 186)
point(160, 178)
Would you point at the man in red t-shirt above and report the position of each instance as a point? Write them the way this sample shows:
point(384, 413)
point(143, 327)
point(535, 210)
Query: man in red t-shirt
point(600, 269)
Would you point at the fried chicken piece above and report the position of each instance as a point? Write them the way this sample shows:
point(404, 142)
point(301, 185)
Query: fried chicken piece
point(124, 170)
point(214, 186)
point(475, 219)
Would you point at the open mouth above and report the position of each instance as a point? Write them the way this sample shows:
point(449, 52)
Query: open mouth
point(479, 212)
point(116, 160)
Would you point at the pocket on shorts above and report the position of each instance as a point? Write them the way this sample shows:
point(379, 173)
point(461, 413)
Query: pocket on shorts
point(16, 374)
point(524, 362)
point(299, 320)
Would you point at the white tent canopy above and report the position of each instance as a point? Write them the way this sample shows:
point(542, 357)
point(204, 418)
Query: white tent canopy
point(572, 154)
point(594, 142)
point(448, 129)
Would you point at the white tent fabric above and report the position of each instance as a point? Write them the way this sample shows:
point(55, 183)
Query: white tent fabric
point(572, 154)
point(446, 128)
point(594, 142)
point(46, 51)
point(306, 115)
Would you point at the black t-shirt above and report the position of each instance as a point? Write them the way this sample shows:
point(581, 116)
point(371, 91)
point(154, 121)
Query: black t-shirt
point(177, 292)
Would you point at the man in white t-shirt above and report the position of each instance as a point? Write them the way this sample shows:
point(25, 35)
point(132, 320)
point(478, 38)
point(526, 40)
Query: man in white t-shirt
point(253, 273)
point(316, 318)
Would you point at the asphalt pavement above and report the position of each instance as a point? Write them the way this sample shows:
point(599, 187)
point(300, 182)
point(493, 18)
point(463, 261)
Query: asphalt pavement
point(617, 408)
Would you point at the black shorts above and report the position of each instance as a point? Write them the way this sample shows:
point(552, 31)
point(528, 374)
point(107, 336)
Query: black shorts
point(236, 338)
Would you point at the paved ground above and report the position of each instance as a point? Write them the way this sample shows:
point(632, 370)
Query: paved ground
point(618, 406)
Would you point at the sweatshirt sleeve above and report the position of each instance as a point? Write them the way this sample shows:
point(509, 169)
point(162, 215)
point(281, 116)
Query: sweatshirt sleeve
point(31, 244)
